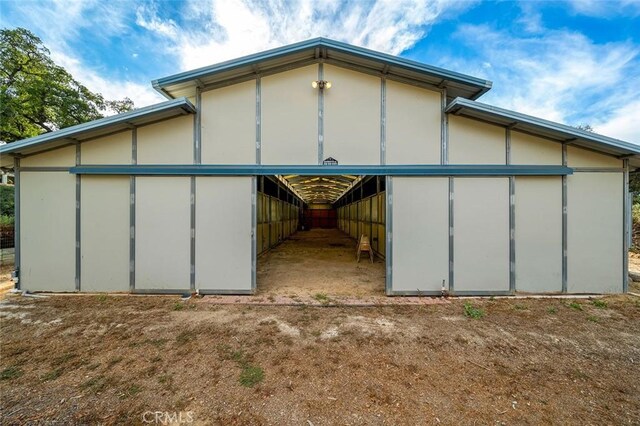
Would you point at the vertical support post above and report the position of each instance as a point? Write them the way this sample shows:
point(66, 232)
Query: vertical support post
point(444, 149)
point(451, 253)
point(626, 231)
point(320, 115)
point(383, 120)
point(197, 131)
point(564, 222)
point(254, 234)
point(78, 218)
point(192, 270)
point(512, 216)
point(16, 226)
point(132, 213)
point(258, 120)
point(389, 236)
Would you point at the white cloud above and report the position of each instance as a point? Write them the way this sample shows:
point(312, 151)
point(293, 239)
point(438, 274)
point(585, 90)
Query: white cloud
point(223, 29)
point(622, 123)
point(606, 9)
point(560, 75)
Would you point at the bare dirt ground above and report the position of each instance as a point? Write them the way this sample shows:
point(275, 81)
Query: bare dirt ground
point(111, 359)
point(319, 261)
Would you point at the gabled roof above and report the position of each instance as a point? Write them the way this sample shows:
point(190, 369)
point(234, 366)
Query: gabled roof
point(100, 127)
point(545, 128)
point(329, 51)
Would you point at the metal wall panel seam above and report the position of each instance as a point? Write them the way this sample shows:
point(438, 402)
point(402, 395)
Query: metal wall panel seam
point(78, 227)
point(444, 129)
point(258, 120)
point(132, 213)
point(16, 225)
point(197, 159)
point(254, 217)
point(320, 115)
point(192, 248)
point(626, 228)
point(512, 216)
point(197, 134)
point(383, 120)
point(564, 223)
point(451, 259)
point(442, 115)
point(512, 234)
point(389, 232)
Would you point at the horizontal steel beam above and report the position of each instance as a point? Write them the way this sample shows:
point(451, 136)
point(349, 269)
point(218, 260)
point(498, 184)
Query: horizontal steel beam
point(321, 170)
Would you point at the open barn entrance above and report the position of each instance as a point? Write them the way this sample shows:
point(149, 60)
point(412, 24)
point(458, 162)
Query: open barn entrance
point(308, 230)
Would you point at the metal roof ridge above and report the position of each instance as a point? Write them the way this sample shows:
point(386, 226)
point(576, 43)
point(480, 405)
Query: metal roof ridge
point(190, 75)
point(458, 103)
point(98, 123)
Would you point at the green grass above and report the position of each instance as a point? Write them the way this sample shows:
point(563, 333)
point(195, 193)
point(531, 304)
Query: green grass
point(185, 336)
point(178, 306)
point(102, 297)
point(575, 305)
point(11, 373)
point(593, 318)
point(521, 308)
point(471, 311)
point(552, 310)
point(322, 298)
point(598, 303)
point(251, 375)
point(52, 375)
point(131, 391)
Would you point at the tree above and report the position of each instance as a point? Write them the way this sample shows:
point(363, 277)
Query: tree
point(38, 96)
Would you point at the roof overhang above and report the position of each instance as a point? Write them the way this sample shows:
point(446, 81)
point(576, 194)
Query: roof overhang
point(327, 51)
point(546, 129)
point(97, 128)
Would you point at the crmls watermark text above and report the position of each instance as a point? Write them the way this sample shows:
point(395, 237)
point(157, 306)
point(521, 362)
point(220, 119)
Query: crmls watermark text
point(167, 417)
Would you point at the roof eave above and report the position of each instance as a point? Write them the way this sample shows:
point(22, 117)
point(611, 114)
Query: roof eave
point(69, 133)
point(563, 132)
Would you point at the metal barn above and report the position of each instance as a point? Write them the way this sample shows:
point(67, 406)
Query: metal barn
point(454, 194)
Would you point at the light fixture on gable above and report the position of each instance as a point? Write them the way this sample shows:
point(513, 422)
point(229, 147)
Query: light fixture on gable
point(321, 84)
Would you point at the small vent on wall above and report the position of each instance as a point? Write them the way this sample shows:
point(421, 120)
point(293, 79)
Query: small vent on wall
point(330, 162)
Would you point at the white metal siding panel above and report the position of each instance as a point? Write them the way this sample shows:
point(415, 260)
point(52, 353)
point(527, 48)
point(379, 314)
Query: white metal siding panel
point(481, 234)
point(163, 232)
point(420, 234)
point(229, 125)
point(223, 242)
point(351, 117)
point(538, 236)
point(105, 233)
point(475, 142)
point(527, 149)
point(114, 149)
point(413, 125)
point(167, 142)
point(577, 157)
point(290, 117)
point(594, 221)
point(62, 157)
point(47, 231)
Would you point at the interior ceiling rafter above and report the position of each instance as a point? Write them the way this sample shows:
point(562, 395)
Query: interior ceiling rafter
point(320, 188)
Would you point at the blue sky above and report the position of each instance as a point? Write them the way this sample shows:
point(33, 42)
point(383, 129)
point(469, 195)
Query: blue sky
point(574, 62)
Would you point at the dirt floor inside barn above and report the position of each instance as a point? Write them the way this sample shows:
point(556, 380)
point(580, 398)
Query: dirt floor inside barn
point(111, 359)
